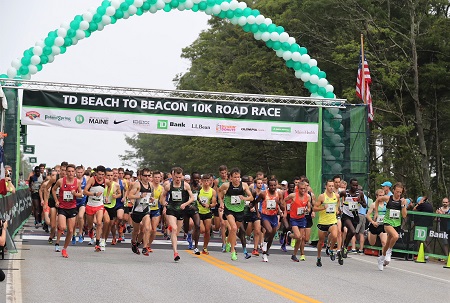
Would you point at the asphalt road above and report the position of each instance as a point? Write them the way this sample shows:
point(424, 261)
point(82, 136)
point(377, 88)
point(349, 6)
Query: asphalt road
point(38, 274)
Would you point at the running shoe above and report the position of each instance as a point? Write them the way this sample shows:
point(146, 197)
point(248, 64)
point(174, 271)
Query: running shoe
point(319, 262)
point(189, 240)
point(380, 260)
point(327, 250)
point(332, 255)
point(92, 241)
point(50, 240)
point(223, 248)
point(340, 258)
point(114, 241)
point(205, 251)
point(344, 252)
point(74, 240)
point(145, 251)
point(354, 251)
point(283, 248)
point(234, 256)
point(135, 248)
point(176, 257)
point(57, 249)
point(247, 255)
point(64, 253)
point(361, 251)
point(45, 227)
point(129, 229)
point(80, 238)
point(97, 248)
point(302, 258)
point(294, 258)
point(119, 240)
point(228, 247)
point(255, 252)
point(196, 251)
point(102, 245)
point(288, 238)
point(264, 257)
point(387, 259)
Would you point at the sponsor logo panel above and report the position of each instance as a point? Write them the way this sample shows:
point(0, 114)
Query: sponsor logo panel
point(33, 115)
point(98, 120)
point(57, 118)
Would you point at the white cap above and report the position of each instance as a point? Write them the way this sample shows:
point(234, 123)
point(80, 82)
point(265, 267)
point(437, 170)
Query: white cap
point(284, 182)
point(187, 177)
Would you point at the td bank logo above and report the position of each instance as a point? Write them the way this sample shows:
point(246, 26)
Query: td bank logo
point(163, 124)
point(79, 119)
point(420, 233)
point(281, 129)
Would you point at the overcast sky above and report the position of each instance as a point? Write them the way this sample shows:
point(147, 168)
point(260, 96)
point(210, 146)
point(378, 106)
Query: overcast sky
point(142, 51)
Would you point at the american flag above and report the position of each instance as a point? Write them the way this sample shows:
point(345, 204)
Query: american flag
point(364, 91)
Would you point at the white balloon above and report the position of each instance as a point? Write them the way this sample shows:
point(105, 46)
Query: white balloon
point(287, 55)
point(326, 152)
point(32, 69)
point(56, 50)
point(298, 74)
point(35, 60)
point(110, 10)
point(160, 4)
point(132, 10)
point(333, 111)
point(106, 20)
point(234, 5)
point(234, 20)
point(225, 6)
point(74, 41)
point(284, 37)
point(126, 15)
point(65, 25)
point(62, 32)
point(101, 26)
point(305, 58)
point(242, 5)
point(216, 9)
point(189, 4)
point(296, 56)
point(291, 40)
point(314, 95)
point(51, 58)
point(40, 43)
point(208, 11)
point(242, 21)
point(116, 3)
point(312, 62)
point(153, 9)
point(138, 3)
point(341, 127)
point(16, 63)
point(37, 50)
point(167, 1)
point(59, 41)
point(265, 36)
point(11, 72)
point(280, 53)
point(80, 34)
point(305, 77)
point(87, 16)
point(92, 10)
point(338, 117)
point(195, 1)
point(181, 7)
point(340, 147)
point(84, 25)
point(26, 77)
point(267, 21)
point(336, 168)
point(274, 36)
point(322, 82)
point(329, 88)
point(257, 35)
point(260, 19)
point(314, 79)
point(336, 139)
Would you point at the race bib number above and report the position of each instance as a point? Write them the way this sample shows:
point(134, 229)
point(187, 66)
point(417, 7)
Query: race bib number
point(330, 208)
point(97, 199)
point(139, 208)
point(247, 203)
point(204, 200)
point(288, 207)
point(394, 214)
point(352, 205)
point(67, 196)
point(177, 196)
point(145, 200)
point(271, 204)
point(235, 200)
point(380, 219)
point(153, 202)
point(300, 211)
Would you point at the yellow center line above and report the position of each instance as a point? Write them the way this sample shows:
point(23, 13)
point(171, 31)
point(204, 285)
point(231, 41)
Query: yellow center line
point(264, 283)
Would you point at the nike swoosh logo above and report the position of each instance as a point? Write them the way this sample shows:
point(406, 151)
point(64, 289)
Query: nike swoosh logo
point(118, 122)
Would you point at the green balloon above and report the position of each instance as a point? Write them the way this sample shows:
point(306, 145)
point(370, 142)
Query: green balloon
point(262, 27)
point(49, 41)
point(118, 14)
point(44, 59)
point(322, 74)
point(124, 6)
point(247, 11)
point(93, 26)
point(329, 95)
point(308, 84)
point(113, 21)
point(335, 153)
point(327, 115)
point(314, 70)
point(321, 91)
point(39, 67)
point(254, 28)
point(52, 34)
point(139, 11)
point(222, 14)
point(306, 67)
point(297, 65)
point(25, 61)
point(238, 12)
point(146, 6)
point(182, 1)
point(195, 8)
point(28, 52)
point(64, 49)
point(280, 29)
point(276, 45)
point(269, 44)
point(290, 63)
point(256, 12)
point(23, 70)
point(87, 33)
point(79, 18)
point(71, 33)
point(247, 28)
point(97, 18)
point(313, 89)
point(285, 46)
point(101, 10)
point(47, 50)
point(105, 3)
point(152, 2)
point(230, 14)
point(271, 28)
point(202, 6)
point(210, 3)
point(174, 3)
point(129, 2)
point(167, 8)
point(303, 50)
point(295, 47)
point(67, 42)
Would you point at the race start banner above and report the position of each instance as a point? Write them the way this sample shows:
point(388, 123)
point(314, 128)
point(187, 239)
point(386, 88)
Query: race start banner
point(240, 120)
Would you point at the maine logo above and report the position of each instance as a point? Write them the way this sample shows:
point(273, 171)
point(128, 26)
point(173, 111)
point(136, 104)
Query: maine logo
point(163, 124)
point(33, 115)
point(79, 119)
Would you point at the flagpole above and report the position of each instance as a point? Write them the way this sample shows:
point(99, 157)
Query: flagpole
point(363, 78)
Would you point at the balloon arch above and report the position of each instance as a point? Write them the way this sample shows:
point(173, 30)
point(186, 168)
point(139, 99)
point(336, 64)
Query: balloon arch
point(251, 20)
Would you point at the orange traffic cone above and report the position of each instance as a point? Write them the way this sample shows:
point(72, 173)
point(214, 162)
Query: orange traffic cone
point(421, 255)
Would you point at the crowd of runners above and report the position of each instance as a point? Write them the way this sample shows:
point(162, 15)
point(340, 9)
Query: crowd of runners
point(97, 204)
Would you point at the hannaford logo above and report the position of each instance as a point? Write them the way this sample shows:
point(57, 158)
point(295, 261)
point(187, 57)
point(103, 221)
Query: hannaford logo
point(58, 118)
point(221, 128)
point(97, 120)
point(281, 129)
point(163, 124)
point(79, 119)
point(33, 115)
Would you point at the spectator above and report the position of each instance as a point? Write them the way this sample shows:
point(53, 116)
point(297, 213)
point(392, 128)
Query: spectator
point(386, 185)
point(423, 205)
point(444, 223)
point(3, 231)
